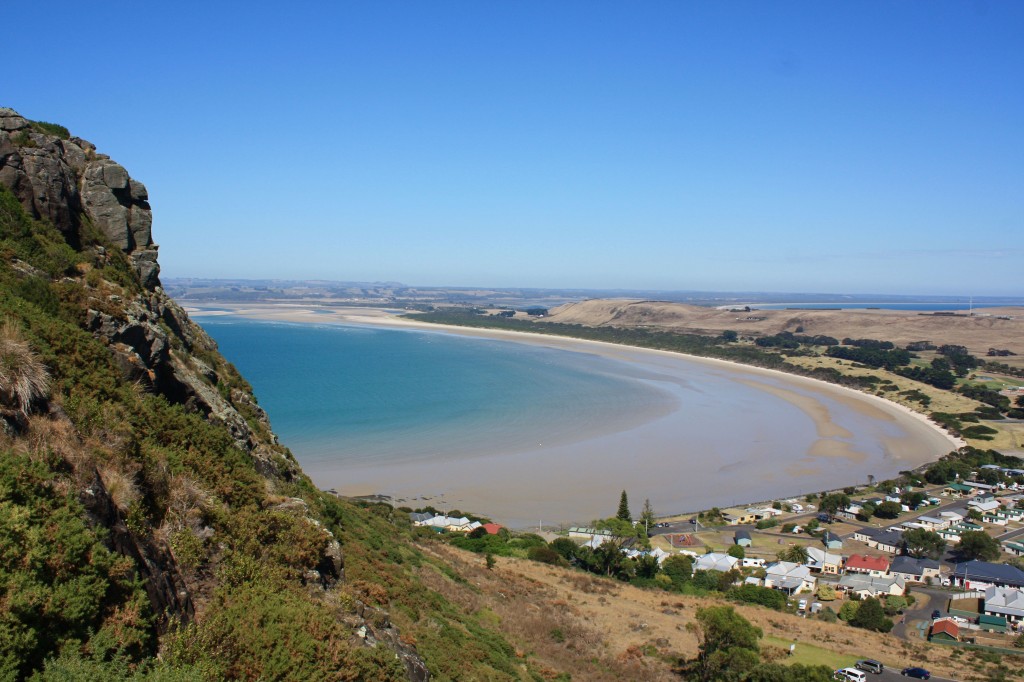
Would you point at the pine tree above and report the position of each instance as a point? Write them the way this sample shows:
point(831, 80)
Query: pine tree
point(623, 512)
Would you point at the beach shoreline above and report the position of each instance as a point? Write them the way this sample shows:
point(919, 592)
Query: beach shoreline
point(806, 394)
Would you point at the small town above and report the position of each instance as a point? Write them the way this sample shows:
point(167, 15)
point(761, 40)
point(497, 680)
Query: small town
point(943, 561)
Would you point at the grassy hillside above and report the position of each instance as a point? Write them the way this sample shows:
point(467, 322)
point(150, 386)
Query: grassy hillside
point(132, 524)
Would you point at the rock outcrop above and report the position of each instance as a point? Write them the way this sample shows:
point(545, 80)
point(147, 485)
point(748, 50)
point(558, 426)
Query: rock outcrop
point(65, 181)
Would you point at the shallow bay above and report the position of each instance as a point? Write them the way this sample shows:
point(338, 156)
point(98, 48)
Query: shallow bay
point(530, 433)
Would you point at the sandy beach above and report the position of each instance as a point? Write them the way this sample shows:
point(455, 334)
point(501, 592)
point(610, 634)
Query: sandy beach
point(678, 470)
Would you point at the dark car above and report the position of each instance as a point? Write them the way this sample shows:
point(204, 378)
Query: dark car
point(919, 673)
point(936, 614)
point(824, 518)
point(870, 665)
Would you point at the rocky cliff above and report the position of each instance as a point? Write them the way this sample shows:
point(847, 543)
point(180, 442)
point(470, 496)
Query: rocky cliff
point(125, 415)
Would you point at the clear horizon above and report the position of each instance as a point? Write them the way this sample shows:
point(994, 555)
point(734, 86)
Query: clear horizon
point(746, 147)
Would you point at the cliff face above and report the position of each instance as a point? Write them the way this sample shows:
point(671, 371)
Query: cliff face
point(193, 507)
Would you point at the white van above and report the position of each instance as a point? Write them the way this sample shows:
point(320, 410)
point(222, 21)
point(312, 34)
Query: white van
point(852, 674)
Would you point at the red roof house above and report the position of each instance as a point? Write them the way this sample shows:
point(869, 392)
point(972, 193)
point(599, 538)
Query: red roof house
point(872, 565)
point(945, 630)
point(492, 528)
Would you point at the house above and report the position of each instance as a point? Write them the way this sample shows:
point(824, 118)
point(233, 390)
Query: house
point(715, 561)
point(1004, 602)
point(950, 535)
point(884, 539)
point(742, 538)
point(738, 517)
point(492, 528)
point(1015, 548)
point(789, 577)
point(820, 561)
point(764, 512)
point(995, 519)
point(420, 518)
point(944, 630)
point(952, 517)
point(978, 575)
point(933, 523)
point(851, 511)
point(831, 540)
point(914, 570)
point(983, 507)
point(584, 533)
point(876, 566)
point(958, 490)
point(872, 586)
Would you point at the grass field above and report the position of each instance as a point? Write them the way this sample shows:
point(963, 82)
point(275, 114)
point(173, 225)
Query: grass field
point(808, 654)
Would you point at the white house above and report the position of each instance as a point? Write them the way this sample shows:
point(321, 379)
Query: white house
point(790, 577)
point(820, 561)
point(872, 586)
point(1005, 602)
point(715, 561)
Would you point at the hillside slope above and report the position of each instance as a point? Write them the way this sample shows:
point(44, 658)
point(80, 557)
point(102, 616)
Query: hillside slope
point(990, 328)
point(151, 525)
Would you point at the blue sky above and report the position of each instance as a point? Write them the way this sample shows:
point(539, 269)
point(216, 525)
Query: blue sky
point(872, 147)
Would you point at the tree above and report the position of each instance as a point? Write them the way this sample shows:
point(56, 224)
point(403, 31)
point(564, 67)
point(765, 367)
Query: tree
point(794, 553)
point(490, 561)
point(678, 568)
point(888, 510)
point(848, 610)
point(728, 646)
point(833, 502)
point(729, 336)
point(867, 510)
point(977, 544)
point(871, 616)
point(646, 516)
point(623, 513)
point(737, 552)
point(921, 543)
point(566, 547)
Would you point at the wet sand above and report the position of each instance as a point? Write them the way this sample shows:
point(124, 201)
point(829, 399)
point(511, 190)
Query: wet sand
point(668, 459)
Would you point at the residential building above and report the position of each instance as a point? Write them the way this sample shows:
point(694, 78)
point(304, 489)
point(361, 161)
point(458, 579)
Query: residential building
point(738, 517)
point(872, 586)
point(831, 540)
point(944, 630)
point(1005, 602)
point(914, 570)
point(820, 561)
point(876, 566)
point(715, 561)
point(789, 577)
point(884, 539)
point(742, 538)
point(977, 575)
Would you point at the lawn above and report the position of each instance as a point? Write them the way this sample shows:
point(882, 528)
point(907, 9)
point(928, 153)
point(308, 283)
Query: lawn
point(808, 654)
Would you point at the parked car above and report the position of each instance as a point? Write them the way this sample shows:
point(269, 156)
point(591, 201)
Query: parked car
point(870, 665)
point(936, 614)
point(850, 675)
point(918, 673)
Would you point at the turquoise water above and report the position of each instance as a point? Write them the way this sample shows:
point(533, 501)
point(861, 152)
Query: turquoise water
point(370, 395)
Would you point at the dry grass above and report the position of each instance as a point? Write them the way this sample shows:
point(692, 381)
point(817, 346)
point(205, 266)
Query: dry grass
point(977, 333)
point(619, 622)
point(24, 379)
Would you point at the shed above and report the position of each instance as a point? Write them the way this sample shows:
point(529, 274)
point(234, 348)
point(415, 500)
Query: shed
point(992, 623)
point(742, 538)
point(831, 540)
point(944, 630)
